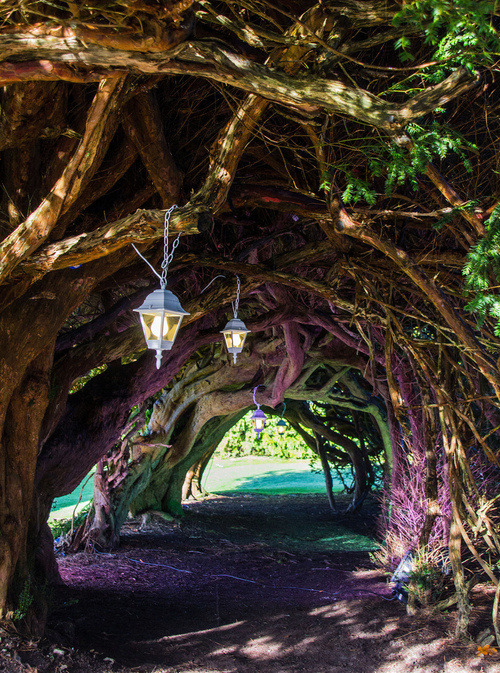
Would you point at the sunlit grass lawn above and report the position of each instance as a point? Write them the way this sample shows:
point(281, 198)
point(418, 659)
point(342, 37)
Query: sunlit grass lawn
point(259, 474)
point(63, 507)
point(251, 474)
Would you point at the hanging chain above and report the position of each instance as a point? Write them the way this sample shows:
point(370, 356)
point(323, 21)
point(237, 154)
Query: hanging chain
point(167, 257)
point(236, 304)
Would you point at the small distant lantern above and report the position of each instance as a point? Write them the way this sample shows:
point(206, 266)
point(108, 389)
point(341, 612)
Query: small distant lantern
point(235, 332)
point(161, 313)
point(258, 417)
point(282, 425)
point(161, 316)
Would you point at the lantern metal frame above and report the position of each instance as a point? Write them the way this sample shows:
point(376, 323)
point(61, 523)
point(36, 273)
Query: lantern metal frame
point(161, 306)
point(161, 315)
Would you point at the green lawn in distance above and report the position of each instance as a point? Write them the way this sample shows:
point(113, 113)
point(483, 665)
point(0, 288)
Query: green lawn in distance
point(260, 474)
point(62, 508)
point(250, 474)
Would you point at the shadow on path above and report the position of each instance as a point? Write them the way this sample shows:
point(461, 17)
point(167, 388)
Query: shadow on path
point(248, 584)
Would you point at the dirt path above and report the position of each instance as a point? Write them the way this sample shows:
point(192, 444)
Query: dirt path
point(247, 584)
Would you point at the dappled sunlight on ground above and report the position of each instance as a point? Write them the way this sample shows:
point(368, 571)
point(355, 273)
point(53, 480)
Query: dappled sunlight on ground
point(207, 596)
point(349, 636)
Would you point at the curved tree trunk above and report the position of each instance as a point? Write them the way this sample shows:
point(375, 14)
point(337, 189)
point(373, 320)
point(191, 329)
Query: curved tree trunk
point(210, 435)
point(19, 449)
point(326, 471)
point(348, 445)
point(143, 480)
point(164, 490)
point(192, 487)
point(102, 532)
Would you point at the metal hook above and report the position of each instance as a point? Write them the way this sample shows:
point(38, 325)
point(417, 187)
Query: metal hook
point(261, 385)
point(207, 286)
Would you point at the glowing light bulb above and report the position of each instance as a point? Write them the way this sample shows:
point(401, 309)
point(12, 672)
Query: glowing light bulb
point(156, 327)
point(237, 340)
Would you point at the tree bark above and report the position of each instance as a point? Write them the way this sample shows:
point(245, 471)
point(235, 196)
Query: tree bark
point(19, 449)
point(192, 486)
point(143, 125)
point(29, 235)
point(326, 471)
point(210, 60)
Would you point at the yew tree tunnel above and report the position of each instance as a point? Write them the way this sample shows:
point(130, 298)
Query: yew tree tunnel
point(156, 465)
point(340, 159)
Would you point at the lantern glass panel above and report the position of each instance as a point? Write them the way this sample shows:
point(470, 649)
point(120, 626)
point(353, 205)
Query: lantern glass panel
point(235, 339)
point(162, 327)
point(150, 326)
point(281, 429)
point(259, 423)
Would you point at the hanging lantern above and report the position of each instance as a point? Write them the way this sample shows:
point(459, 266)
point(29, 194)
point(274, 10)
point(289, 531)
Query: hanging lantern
point(235, 332)
point(258, 417)
point(161, 313)
point(282, 425)
point(258, 420)
point(161, 316)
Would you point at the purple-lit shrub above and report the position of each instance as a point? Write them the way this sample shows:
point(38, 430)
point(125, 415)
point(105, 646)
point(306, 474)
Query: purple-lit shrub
point(404, 507)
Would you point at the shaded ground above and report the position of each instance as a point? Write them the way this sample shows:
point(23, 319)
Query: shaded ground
point(246, 584)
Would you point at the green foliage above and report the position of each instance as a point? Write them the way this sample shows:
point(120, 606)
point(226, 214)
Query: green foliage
point(427, 579)
point(482, 271)
point(426, 584)
point(462, 31)
point(402, 164)
point(405, 164)
point(358, 190)
point(404, 44)
point(25, 601)
point(62, 526)
point(83, 380)
point(242, 441)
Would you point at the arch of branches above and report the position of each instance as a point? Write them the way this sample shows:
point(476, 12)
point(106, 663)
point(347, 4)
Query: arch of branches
point(155, 468)
point(341, 157)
